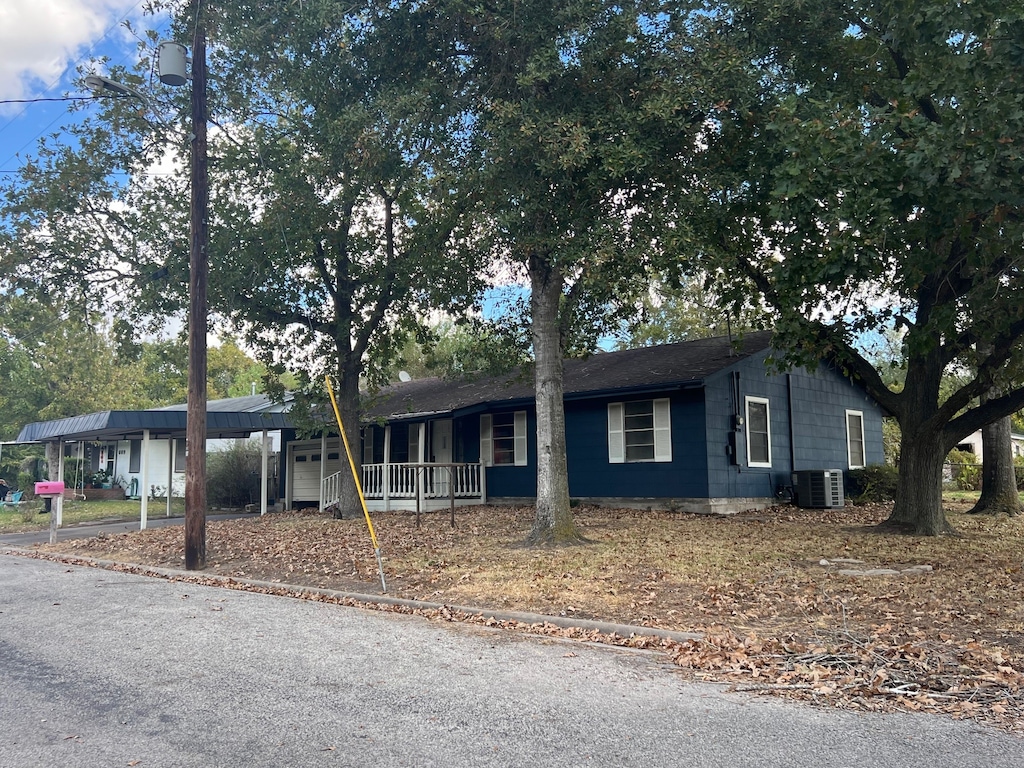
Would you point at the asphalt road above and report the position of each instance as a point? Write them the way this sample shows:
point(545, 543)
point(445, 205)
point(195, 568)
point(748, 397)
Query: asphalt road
point(99, 668)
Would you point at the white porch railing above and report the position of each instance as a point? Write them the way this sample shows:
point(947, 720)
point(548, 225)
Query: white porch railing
point(413, 482)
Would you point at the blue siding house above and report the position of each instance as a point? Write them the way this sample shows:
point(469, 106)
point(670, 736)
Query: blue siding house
point(705, 426)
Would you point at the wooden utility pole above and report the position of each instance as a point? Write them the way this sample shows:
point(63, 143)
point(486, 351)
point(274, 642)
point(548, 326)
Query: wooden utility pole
point(195, 430)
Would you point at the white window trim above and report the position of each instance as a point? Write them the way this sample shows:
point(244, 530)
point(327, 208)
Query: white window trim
point(662, 432)
point(849, 445)
point(746, 428)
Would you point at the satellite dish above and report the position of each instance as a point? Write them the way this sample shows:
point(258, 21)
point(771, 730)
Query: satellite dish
point(404, 376)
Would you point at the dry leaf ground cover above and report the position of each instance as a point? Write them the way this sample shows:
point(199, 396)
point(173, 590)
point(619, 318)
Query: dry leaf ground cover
point(774, 617)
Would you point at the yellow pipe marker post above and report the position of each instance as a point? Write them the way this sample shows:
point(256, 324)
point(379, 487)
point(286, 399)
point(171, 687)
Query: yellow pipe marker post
point(359, 485)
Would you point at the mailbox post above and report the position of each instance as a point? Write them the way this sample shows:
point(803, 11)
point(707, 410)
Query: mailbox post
point(52, 489)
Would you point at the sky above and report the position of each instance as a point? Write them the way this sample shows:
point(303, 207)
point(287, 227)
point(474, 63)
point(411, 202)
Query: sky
point(42, 43)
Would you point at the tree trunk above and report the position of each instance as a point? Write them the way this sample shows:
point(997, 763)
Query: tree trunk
point(347, 396)
point(998, 479)
point(554, 523)
point(918, 507)
point(53, 461)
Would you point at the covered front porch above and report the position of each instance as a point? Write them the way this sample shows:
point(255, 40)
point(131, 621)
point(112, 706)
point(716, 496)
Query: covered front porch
point(426, 487)
point(408, 466)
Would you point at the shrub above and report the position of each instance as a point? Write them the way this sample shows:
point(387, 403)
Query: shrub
point(26, 483)
point(965, 472)
point(233, 476)
point(872, 484)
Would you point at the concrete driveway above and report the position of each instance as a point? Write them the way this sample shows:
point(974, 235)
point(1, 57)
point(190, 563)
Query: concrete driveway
point(99, 668)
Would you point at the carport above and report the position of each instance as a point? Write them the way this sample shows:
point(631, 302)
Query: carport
point(231, 418)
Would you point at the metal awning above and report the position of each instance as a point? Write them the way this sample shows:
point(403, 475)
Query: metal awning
point(127, 425)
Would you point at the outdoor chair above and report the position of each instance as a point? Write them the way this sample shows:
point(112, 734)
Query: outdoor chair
point(15, 500)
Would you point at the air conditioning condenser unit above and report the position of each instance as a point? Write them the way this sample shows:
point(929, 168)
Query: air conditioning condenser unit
point(819, 488)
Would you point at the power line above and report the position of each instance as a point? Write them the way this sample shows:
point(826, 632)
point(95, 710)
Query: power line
point(88, 54)
point(54, 98)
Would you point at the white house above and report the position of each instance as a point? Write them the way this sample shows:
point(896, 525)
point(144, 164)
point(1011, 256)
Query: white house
point(143, 452)
point(973, 444)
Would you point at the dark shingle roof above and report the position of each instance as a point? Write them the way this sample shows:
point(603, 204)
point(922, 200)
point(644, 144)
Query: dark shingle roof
point(648, 368)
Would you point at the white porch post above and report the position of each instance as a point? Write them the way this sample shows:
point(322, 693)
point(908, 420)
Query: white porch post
point(172, 446)
point(263, 476)
point(420, 485)
point(57, 506)
point(387, 468)
point(144, 505)
point(323, 464)
point(289, 465)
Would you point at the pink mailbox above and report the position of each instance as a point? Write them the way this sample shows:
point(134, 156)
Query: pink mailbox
point(50, 488)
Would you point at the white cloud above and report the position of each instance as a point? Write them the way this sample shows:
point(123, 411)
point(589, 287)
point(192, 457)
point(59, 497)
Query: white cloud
point(41, 40)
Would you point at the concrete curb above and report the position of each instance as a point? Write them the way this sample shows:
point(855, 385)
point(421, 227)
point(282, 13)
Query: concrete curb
point(361, 599)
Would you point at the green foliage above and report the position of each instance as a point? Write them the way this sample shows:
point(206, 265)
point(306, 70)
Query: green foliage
point(891, 438)
point(862, 174)
point(682, 311)
point(872, 484)
point(56, 362)
point(233, 476)
point(1017, 422)
point(464, 349)
point(965, 470)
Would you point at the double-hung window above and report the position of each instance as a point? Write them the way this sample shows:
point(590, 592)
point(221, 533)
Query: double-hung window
point(759, 433)
point(639, 431)
point(503, 439)
point(855, 439)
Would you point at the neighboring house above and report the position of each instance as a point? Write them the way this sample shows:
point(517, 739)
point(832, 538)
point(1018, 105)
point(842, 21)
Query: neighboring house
point(706, 425)
point(143, 452)
point(973, 444)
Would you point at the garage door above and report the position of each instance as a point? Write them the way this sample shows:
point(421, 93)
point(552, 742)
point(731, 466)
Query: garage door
point(305, 468)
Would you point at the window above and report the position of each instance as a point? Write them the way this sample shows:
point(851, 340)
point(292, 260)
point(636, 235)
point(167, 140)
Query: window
point(108, 457)
point(639, 431)
point(400, 439)
point(503, 439)
point(135, 457)
point(179, 455)
point(759, 438)
point(855, 438)
point(368, 445)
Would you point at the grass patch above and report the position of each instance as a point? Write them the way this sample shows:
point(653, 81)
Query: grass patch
point(27, 517)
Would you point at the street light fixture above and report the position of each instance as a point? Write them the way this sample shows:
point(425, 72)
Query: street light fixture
point(104, 86)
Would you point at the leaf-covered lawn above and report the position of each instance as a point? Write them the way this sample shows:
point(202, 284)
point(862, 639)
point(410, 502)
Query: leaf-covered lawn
point(767, 589)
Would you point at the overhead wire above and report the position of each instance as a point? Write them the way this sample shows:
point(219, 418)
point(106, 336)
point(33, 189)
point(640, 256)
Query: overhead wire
point(89, 53)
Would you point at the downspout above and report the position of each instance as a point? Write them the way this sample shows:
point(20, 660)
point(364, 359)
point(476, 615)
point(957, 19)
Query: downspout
point(789, 403)
point(387, 467)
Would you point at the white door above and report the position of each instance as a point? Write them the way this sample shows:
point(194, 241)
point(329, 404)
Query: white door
point(441, 449)
point(306, 473)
